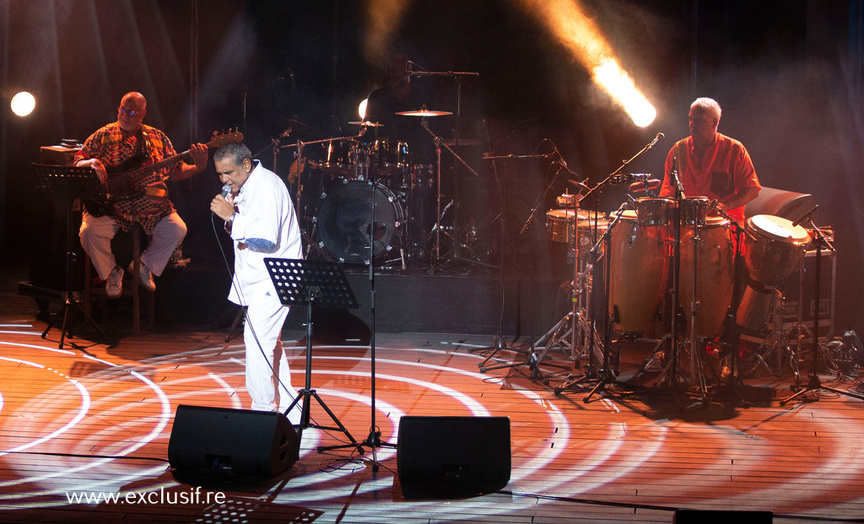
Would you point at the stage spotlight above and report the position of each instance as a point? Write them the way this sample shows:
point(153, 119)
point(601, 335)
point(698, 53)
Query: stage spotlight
point(577, 31)
point(361, 109)
point(618, 83)
point(23, 104)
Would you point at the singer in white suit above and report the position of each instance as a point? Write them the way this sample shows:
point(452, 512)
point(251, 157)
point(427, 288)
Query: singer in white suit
point(260, 218)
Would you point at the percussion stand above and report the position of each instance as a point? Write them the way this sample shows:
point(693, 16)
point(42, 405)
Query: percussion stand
point(672, 367)
point(697, 371)
point(814, 384)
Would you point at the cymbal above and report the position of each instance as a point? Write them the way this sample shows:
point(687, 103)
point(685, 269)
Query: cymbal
point(366, 124)
point(424, 112)
point(463, 142)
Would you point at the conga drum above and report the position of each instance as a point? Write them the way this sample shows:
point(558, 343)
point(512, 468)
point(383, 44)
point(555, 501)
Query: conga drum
point(637, 274)
point(715, 270)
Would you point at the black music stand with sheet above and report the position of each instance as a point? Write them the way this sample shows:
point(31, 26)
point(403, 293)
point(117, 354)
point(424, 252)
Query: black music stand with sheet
point(69, 183)
point(313, 283)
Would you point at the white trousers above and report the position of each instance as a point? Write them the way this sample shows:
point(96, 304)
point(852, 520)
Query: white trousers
point(265, 359)
point(96, 234)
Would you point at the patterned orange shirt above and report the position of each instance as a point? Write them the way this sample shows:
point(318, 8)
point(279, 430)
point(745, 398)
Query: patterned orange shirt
point(112, 147)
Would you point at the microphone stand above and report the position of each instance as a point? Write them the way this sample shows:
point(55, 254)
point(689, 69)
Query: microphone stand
point(498, 342)
point(814, 384)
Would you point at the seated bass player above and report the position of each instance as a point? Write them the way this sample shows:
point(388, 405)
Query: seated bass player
point(133, 160)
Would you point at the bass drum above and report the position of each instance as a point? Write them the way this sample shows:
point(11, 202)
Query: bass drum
point(345, 221)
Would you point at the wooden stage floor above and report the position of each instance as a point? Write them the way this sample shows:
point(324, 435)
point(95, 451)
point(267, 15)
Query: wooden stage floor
point(96, 421)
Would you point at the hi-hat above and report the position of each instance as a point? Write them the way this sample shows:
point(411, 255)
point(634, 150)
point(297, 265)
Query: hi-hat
point(366, 124)
point(424, 112)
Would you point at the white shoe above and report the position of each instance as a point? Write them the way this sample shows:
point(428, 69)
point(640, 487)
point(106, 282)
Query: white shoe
point(145, 276)
point(114, 284)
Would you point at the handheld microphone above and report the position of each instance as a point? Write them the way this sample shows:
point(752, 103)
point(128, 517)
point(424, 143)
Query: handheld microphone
point(226, 190)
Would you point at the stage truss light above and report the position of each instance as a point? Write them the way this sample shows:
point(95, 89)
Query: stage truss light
point(23, 103)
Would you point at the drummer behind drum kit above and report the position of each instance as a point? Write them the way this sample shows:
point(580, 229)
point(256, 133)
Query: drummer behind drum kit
point(335, 198)
point(640, 251)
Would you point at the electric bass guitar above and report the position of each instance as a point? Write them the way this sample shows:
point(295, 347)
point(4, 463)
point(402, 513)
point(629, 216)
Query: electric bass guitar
point(134, 180)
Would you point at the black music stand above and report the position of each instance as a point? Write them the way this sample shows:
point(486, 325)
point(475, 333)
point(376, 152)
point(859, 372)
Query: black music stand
point(312, 283)
point(69, 183)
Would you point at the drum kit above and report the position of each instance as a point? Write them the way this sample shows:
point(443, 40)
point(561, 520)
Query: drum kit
point(339, 180)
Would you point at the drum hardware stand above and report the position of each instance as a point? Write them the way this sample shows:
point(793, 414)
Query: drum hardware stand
point(697, 363)
point(70, 183)
point(498, 342)
point(590, 373)
point(814, 384)
point(606, 375)
point(731, 332)
point(311, 283)
point(435, 259)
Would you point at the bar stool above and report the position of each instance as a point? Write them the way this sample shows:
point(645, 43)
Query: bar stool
point(130, 288)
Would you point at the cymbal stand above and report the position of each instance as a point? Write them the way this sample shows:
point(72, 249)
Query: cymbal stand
point(435, 259)
point(814, 384)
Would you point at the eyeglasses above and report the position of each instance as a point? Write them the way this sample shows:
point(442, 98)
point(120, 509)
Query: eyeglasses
point(129, 112)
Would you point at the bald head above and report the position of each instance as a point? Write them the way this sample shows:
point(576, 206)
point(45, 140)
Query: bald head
point(133, 107)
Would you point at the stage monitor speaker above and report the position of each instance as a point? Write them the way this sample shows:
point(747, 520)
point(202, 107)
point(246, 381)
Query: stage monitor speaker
point(780, 203)
point(246, 442)
point(702, 516)
point(443, 457)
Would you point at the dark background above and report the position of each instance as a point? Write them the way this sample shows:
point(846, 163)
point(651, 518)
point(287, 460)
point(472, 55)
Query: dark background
point(786, 72)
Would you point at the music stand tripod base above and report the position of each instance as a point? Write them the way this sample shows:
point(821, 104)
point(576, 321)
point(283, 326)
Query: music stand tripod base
point(70, 183)
point(312, 283)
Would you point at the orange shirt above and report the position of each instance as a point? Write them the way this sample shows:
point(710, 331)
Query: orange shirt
point(723, 171)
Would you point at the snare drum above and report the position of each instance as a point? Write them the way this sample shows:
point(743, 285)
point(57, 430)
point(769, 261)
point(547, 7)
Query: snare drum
point(714, 274)
point(773, 248)
point(637, 277)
